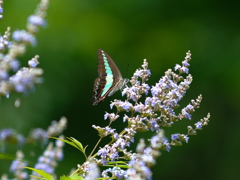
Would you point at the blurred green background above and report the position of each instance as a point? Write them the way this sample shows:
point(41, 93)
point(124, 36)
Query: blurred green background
point(129, 31)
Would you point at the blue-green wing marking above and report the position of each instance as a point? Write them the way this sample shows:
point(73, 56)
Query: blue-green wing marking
point(109, 77)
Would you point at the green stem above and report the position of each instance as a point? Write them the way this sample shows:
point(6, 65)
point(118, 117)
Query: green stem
point(110, 142)
point(95, 148)
point(74, 173)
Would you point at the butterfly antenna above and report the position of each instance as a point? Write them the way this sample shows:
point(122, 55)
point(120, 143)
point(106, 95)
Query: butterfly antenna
point(127, 69)
point(126, 74)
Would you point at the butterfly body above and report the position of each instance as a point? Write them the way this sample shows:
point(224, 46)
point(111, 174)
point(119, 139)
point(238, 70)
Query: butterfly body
point(109, 78)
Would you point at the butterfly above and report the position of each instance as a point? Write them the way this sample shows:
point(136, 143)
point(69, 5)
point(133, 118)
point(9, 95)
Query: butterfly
point(109, 78)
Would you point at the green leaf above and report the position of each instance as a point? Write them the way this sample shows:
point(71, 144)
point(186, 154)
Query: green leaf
point(118, 162)
point(74, 177)
point(73, 142)
point(121, 164)
point(45, 175)
point(77, 143)
point(6, 156)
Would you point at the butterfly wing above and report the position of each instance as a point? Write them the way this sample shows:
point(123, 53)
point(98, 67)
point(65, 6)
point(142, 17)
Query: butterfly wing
point(108, 79)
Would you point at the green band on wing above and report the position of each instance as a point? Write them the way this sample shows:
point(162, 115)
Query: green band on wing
point(109, 77)
point(109, 82)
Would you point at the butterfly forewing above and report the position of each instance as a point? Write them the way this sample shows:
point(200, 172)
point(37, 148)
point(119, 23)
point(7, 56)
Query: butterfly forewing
point(105, 60)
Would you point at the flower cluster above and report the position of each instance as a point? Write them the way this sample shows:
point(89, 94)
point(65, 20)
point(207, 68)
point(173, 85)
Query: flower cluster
point(151, 113)
point(10, 136)
point(94, 171)
point(35, 135)
point(54, 129)
point(17, 167)
point(13, 77)
point(48, 161)
point(52, 154)
point(146, 155)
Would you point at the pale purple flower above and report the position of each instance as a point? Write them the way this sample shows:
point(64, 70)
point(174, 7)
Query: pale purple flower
point(125, 118)
point(154, 124)
point(45, 167)
point(185, 69)
point(49, 153)
point(4, 43)
point(39, 134)
point(3, 74)
point(24, 36)
point(36, 20)
point(186, 114)
point(111, 116)
point(6, 133)
point(124, 91)
point(185, 63)
point(112, 104)
point(106, 115)
point(133, 96)
point(59, 143)
point(175, 137)
point(103, 152)
point(148, 72)
point(109, 130)
point(14, 64)
point(119, 173)
point(147, 172)
point(155, 142)
point(190, 107)
point(155, 90)
point(177, 67)
point(33, 63)
point(143, 171)
point(93, 172)
point(122, 143)
point(113, 155)
point(137, 73)
point(115, 136)
point(126, 105)
point(22, 80)
point(153, 101)
point(146, 88)
point(186, 138)
point(186, 82)
point(147, 156)
point(105, 173)
point(139, 108)
point(133, 174)
point(17, 164)
point(198, 125)
point(167, 145)
point(132, 92)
